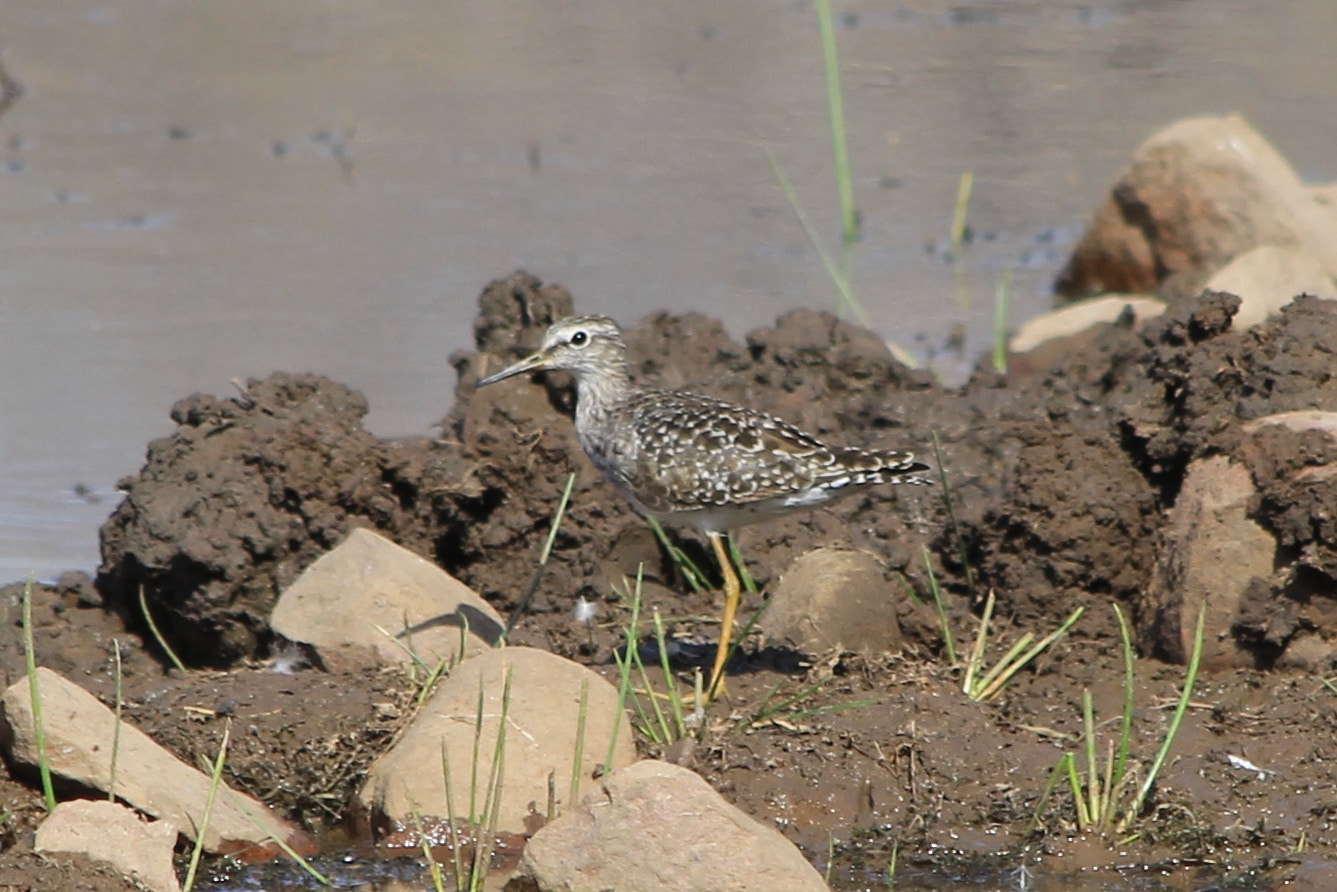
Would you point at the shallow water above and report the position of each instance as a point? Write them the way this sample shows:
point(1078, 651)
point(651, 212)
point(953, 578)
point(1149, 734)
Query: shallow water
point(409, 874)
point(201, 192)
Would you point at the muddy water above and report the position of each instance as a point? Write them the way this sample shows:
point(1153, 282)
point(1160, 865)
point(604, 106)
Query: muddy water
point(198, 192)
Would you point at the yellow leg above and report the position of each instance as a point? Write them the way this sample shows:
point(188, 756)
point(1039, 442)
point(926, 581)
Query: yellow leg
point(731, 597)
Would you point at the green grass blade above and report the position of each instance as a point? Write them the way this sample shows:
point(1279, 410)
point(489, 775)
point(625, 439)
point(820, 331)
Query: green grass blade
point(1092, 766)
point(624, 694)
point(1126, 724)
point(578, 756)
point(1075, 782)
point(474, 817)
point(1055, 776)
point(456, 844)
point(215, 779)
point(942, 610)
point(976, 658)
point(282, 844)
point(486, 838)
point(696, 580)
point(1190, 679)
point(675, 701)
point(35, 695)
point(544, 555)
point(157, 635)
point(849, 215)
point(1004, 669)
point(963, 189)
point(744, 575)
point(1002, 297)
point(116, 728)
point(837, 276)
point(1039, 647)
point(433, 866)
point(1110, 790)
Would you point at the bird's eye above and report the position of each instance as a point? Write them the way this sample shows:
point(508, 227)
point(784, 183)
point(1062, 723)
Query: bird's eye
point(580, 339)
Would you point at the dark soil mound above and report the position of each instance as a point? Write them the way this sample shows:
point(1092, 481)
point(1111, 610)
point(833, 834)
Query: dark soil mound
point(1058, 481)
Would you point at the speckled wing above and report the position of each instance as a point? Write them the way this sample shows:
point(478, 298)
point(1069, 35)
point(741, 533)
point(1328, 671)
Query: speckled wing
point(697, 452)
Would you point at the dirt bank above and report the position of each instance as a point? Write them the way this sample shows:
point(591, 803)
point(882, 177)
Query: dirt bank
point(1060, 482)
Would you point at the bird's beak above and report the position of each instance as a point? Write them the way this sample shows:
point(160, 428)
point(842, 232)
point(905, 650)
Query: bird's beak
point(535, 363)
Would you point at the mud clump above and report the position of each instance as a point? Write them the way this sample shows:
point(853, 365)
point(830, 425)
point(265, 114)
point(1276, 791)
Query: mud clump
point(1096, 456)
point(235, 503)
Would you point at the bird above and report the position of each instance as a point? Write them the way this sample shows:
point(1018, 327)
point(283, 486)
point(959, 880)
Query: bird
point(688, 460)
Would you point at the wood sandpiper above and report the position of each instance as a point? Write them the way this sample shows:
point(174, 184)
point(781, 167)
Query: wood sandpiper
point(689, 460)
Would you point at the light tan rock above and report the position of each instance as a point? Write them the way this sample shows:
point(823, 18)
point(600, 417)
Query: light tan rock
point(1199, 193)
point(106, 831)
point(541, 730)
point(370, 601)
point(834, 598)
point(1326, 193)
point(79, 745)
point(1299, 420)
point(656, 827)
point(1211, 550)
point(1267, 278)
point(1082, 316)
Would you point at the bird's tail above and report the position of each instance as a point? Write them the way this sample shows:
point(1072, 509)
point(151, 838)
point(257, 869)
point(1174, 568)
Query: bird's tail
point(885, 466)
point(901, 467)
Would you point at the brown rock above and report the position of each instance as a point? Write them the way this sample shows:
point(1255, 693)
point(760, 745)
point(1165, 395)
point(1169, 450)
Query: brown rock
point(106, 831)
point(371, 602)
point(659, 828)
point(834, 598)
point(79, 745)
point(1198, 194)
point(542, 721)
point(1211, 551)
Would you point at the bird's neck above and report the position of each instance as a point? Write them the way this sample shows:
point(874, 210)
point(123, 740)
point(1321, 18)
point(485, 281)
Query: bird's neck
point(598, 395)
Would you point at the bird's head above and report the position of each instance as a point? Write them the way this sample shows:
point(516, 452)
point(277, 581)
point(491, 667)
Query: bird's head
point(582, 345)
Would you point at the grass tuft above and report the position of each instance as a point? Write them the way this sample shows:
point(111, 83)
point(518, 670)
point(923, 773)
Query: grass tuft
point(986, 686)
point(660, 727)
point(471, 871)
point(1101, 798)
